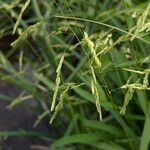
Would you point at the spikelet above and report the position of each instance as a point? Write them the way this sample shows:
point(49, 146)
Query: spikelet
point(14, 103)
point(105, 44)
point(58, 71)
point(92, 86)
point(60, 104)
point(128, 97)
point(106, 40)
point(137, 86)
point(95, 60)
point(145, 79)
point(55, 92)
point(132, 87)
point(60, 64)
point(61, 30)
point(76, 85)
point(142, 19)
point(127, 52)
point(20, 15)
point(147, 27)
point(135, 71)
point(141, 23)
point(21, 62)
point(94, 63)
point(93, 74)
point(25, 34)
point(57, 109)
point(95, 92)
point(18, 100)
point(134, 14)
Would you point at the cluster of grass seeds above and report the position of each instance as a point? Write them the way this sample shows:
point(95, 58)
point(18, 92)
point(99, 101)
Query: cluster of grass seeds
point(20, 16)
point(143, 24)
point(128, 97)
point(104, 44)
point(64, 94)
point(59, 106)
point(94, 60)
point(145, 79)
point(94, 63)
point(58, 72)
point(95, 92)
point(25, 34)
point(107, 43)
point(18, 101)
point(60, 30)
point(132, 87)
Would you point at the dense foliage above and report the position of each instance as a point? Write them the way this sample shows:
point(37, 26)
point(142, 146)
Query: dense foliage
point(86, 65)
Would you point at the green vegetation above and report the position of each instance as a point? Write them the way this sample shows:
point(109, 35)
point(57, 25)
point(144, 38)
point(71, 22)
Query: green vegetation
point(89, 70)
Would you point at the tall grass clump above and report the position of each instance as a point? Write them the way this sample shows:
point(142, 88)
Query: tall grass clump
point(85, 64)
